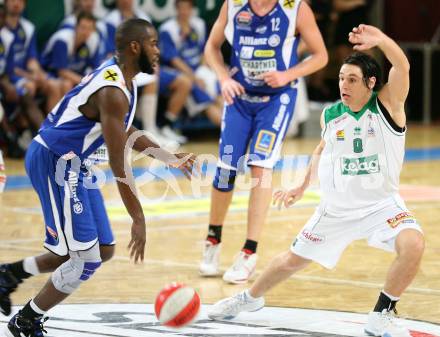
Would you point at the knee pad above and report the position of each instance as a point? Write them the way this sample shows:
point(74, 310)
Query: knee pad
point(79, 268)
point(224, 179)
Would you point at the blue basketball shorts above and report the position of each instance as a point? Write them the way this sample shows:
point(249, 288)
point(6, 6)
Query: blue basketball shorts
point(258, 122)
point(74, 213)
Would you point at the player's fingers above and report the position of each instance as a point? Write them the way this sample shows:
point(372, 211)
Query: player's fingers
point(359, 47)
point(237, 90)
point(361, 27)
point(294, 199)
point(130, 243)
point(280, 203)
point(227, 97)
point(289, 201)
point(276, 196)
point(137, 252)
point(187, 173)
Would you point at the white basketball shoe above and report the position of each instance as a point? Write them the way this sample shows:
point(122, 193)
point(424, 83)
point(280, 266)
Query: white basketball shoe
point(230, 307)
point(242, 269)
point(383, 324)
point(210, 261)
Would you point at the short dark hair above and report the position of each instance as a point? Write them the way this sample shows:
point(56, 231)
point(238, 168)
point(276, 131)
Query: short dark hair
point(131, 30)
point(188, 1)
point(85, 16)
point(369, 68)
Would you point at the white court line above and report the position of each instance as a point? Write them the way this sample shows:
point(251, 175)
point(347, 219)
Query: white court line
point(317, 279)
point(171, 228)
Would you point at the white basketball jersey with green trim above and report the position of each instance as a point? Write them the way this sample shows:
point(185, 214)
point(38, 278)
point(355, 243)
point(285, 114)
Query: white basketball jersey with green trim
point(362, 159)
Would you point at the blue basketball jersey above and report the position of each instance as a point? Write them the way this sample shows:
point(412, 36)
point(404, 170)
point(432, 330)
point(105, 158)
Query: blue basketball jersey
point(261, 43)
point(6, 54)
point(25, 44)
point(189, 49)
point(60, 53)
point(66, 131)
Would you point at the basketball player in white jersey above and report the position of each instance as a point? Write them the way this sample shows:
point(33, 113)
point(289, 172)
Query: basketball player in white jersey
point(358, 162)
point(78, 233)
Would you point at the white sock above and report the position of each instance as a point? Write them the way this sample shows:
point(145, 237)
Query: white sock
point(391, 297)
point(146, 109)
point(36, 308)
point(249, 296)
point(171, 117)
point(30, 265)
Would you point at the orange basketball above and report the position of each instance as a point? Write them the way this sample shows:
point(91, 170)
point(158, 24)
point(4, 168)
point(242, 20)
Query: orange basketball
point(177, 305)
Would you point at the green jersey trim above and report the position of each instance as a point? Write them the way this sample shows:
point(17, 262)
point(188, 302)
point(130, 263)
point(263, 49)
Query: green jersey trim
point(338, 109)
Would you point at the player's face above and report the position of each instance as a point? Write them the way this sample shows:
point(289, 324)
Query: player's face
point(84, 29)
point(149, 55)
point(15, 7)
point(351, 85)
point(184, 10)
point(87, 5)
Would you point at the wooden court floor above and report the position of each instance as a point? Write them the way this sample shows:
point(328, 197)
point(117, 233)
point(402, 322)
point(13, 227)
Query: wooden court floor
point(177, 226)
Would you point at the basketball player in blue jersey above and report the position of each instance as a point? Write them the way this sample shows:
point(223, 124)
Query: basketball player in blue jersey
point(28, 78)
point(72, 52)
point(260, 92)
point(78, 233)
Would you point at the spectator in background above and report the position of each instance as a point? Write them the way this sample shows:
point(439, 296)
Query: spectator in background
point(7, 132)
point(182, 41)
point(351, 13)
point(125, 9)
point(72, 52)
point(88, 6)
point(28, 77)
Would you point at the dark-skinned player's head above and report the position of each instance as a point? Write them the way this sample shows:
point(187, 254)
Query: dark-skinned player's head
point(137, 39)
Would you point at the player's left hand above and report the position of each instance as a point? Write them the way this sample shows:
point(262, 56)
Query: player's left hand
point(276, 79)
point(365, 37)
point(187, 163)
point(287, 198)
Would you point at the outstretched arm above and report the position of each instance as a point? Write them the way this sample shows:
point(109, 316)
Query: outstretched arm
point(183, 161)
point(395, 91)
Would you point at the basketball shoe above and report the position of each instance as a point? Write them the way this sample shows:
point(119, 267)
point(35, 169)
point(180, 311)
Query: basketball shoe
point(242, 269)
point(210, 260)
point(230, 307)
point(20, 326)
point(8, 284)
point(383, 324)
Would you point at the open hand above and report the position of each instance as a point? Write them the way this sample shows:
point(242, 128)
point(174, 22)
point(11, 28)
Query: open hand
point(365, 37)
point(187, 163)
point(138, 240)
point(287, 198)
point(230, 89)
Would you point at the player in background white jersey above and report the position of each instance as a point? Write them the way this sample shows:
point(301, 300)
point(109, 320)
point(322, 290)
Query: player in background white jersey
point(365, 120)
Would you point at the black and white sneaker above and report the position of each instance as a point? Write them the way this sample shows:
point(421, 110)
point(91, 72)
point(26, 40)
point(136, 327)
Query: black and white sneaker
point(8, 284)
point(20, 326)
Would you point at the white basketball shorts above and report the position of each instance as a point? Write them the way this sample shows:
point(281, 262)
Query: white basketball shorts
point(324, 237)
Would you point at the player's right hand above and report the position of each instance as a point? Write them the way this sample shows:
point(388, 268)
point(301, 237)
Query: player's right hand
point(231, 89)
point(138, 240)
point(287, 198)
